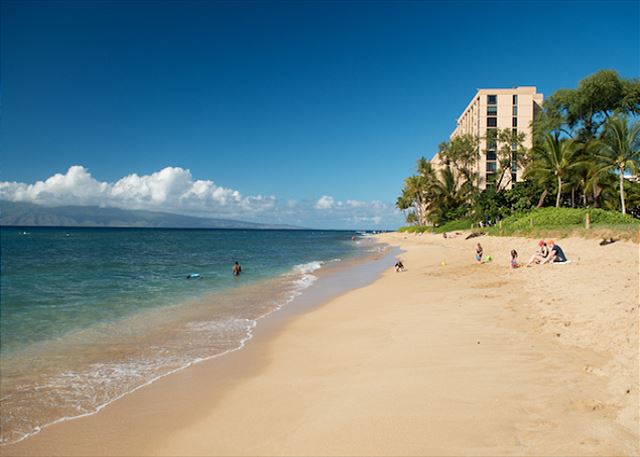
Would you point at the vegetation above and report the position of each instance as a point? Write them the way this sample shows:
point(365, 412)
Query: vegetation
point(557, 217)
point(586, 149)
point(451, 226)
point(544, 221)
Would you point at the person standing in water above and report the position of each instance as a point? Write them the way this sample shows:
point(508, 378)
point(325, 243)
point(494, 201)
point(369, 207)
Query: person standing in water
point(236, 269)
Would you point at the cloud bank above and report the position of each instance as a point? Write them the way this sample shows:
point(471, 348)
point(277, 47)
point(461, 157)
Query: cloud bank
point(174, 189)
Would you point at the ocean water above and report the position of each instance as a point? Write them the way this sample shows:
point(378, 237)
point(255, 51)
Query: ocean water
point(88, 315)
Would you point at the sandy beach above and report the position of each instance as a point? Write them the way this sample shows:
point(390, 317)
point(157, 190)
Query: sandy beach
point(450, 357)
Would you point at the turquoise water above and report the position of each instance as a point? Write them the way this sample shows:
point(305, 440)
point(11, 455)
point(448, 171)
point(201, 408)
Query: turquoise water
point(88, 315)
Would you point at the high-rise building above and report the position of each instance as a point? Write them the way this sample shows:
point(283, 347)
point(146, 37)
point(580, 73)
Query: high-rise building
point(513, 109)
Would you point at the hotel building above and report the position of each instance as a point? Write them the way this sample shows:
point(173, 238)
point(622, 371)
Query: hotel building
point(513, 109)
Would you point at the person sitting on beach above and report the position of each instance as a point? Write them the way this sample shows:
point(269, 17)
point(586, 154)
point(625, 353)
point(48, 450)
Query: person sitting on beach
point(514, 259)
point(540, 255)
point(399, 266)
point(236, 269)
point(556, 254)
point(479, 253)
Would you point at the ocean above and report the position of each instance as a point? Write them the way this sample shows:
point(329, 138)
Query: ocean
point(88, 315)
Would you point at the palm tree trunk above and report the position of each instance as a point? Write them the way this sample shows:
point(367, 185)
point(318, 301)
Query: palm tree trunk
point(573, 197)
point(624, 211)
point(559, 192)
point(542, 197)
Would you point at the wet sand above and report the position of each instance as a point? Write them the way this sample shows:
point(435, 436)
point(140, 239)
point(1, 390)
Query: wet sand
point(448, 358)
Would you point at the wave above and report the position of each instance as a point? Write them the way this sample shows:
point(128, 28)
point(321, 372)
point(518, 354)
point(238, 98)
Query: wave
point(90, 388)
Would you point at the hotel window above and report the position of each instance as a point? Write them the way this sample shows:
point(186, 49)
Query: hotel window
point(515, 99)
point(515, 110)
point(514, 177)
point(491, 154)
point(514, 122)
point(492, 122)
point(492, 110)
point(492, 99)
point(491, 167)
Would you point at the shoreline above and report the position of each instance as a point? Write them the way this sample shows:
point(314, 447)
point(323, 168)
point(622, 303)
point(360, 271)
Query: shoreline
point(327, 283)
point(447, 358)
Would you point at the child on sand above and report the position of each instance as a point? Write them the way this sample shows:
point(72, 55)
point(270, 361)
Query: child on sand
point(479, 253)
point(514, 259)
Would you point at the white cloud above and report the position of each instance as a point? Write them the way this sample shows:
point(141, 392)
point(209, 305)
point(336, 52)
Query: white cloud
point(174, 189)
point(170, 189)
point(357, 213)
point(325, 202)
point(355, 203)
point(75, 186)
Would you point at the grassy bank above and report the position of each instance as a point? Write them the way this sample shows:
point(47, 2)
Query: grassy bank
point(551, 222)
point(560, 222)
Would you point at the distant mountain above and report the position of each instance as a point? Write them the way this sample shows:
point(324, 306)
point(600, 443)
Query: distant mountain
point(29, 214)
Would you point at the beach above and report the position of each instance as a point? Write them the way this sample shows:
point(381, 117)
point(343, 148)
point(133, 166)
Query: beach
point(450, 357)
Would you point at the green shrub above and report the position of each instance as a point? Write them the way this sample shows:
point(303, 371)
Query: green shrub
point(462, 224)
point(415, 229)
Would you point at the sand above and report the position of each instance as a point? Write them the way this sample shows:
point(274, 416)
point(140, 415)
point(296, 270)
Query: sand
point(448, 358)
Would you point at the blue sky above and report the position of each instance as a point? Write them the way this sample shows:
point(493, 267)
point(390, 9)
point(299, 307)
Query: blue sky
point(309, 113)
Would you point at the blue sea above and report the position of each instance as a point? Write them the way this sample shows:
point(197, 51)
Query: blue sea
point(88, 315)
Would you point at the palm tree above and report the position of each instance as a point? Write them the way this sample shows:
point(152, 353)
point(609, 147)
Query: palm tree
point(414, 194)
point(425, 169)
point(419, 192)
point(448, 195)
point(621, 149)
point(553, 159)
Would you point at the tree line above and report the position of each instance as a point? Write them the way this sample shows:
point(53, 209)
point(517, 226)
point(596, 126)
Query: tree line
point(585, 153)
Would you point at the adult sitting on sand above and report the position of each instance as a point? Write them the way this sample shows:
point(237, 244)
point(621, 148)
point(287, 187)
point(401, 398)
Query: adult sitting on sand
point(556, 254)
point(399, 266)
point(540, 255)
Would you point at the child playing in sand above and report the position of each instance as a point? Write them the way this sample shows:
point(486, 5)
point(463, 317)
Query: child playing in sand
point(479, 253)
point(514, 259)
point(399, 266)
